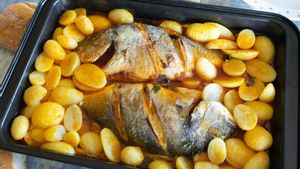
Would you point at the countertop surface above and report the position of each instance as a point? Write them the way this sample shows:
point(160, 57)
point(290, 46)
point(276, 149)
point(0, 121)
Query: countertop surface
point(22, 161)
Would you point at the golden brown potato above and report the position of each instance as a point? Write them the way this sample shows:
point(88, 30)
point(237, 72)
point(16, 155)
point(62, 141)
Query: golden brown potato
point(242, 54)
point(258, 139)
point(234, 67)
point(251, 89)
point(59, 147)
point(245, 117)
point(132, 156)
point(205, 69)
point(245, 39)
point(19, 127)
point(203, 32)
point(261, 70)
point(216, 151)
point(229, 81)
point(67, 17)
point(265, 47)
point(120, 16)
point(172, 25)
point(225, 33)
point(231, 99)
point(268, 94)
point(263, 110)
point(238, 154)
point(260, 160)
point(221, 44)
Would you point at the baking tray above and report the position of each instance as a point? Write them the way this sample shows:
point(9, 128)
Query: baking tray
point(283, 32)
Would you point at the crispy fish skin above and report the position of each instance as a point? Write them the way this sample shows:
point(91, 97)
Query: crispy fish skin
point(159, 119)
point(143, 52)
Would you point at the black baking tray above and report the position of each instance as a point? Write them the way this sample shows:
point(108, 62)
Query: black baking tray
point(285, 35)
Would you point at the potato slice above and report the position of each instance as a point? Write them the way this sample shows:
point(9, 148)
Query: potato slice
point(268, 94)
point(59, 147)
point(261, 70)
point(34, 94)
point(54, 50)
point(120, 16)
point(205, 165)
point(263, 110)
point(259, 139)
point(205, 69)
point(213, 91)
point(225, 32)
point(66, 83)
point(27, 111)
point(260, 160)
point(183, 163)
point(84, 24)
point(73, 118)
point(57, 31)
point(245, 39)
point(71, 31)
point(221, 44)
point(251, 89)
point(234, 67)
point(72, 138)
point(216, 151)
point(83, 87)
point(43, 63)
point(37, 78)
point(265, 47)
point(47, 115)
point(91, 143)
point(242, 54)
point(231, 99)
point(203, 32)
point(159, 164)
point(172, 25)
point(100, 22)
point(69, 64)
point(229, 82)
point(66, 96)
point(90, 75)
point(67, 18)
point(245, 117)
point(19, 127)
point(132, 156)
point(203, 156)
point(37, 135)
point(55, 133)
point(80, 11)
point(238, 154)
point(111, 145)
point(66, 42)
point(53, 77)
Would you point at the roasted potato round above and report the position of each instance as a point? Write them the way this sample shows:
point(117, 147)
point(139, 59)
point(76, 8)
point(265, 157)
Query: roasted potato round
point(234, 67)
point(216, 151)
point(120, 16)
point(132, 156)
point(203, 32)
point(259, 139)
point(159, 164)
point(245, 39)
point(183, 163)
point(260, 160)
point(261, 70)
point(19, 127)
point(265, 47)
point(238, 154)
point(205, 69)
point(245, 117)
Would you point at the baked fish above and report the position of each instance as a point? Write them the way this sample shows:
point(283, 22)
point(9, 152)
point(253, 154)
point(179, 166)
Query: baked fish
point(165, 120)
point(143, 53)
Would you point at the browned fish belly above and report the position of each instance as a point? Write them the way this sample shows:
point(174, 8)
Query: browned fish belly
point(143, 52)
point(163, 120)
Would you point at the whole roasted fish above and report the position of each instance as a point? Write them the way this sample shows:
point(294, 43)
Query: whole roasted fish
point(165, 120)
point(144, 52)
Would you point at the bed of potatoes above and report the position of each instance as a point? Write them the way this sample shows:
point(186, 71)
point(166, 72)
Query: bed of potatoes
point(53, 120)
